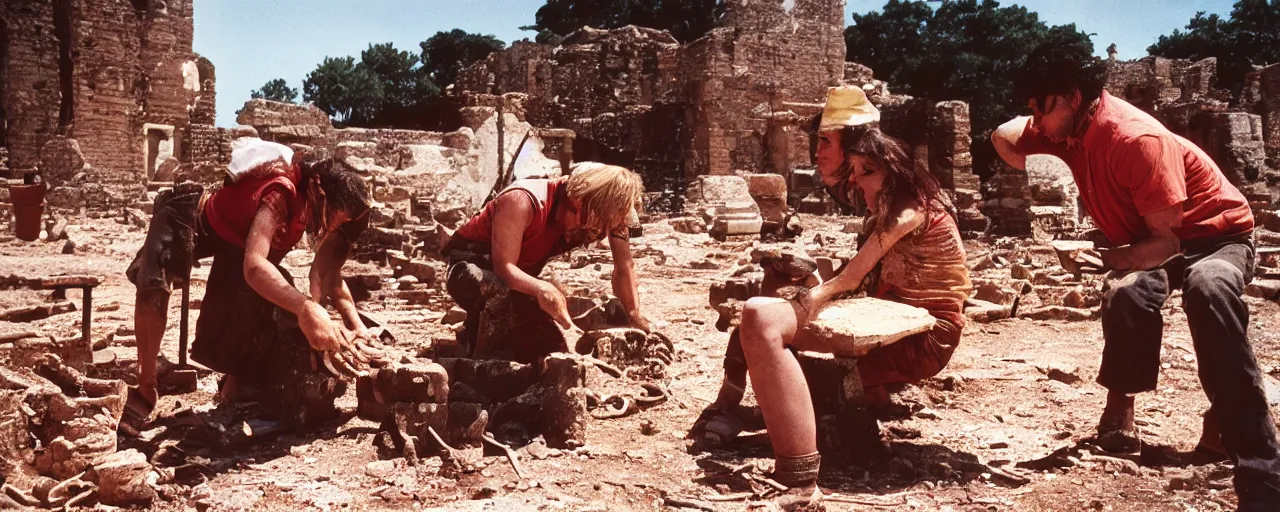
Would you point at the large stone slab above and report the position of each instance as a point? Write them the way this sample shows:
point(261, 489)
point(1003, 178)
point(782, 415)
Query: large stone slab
point(853, 327)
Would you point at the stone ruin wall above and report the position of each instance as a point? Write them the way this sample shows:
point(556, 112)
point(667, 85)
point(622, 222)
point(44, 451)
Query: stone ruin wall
point(620, 91)
point(101, 93)
point(768, 53)
point(1238, 136)
point(417, 177)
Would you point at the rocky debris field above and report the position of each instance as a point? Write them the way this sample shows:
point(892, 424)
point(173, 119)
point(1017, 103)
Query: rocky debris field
point(1005, 426)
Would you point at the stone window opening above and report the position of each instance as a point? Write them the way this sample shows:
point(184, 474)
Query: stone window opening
point(62, 32)
point(160, 145)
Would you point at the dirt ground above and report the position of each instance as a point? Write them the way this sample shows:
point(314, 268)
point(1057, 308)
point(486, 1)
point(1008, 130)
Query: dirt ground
point(992, 407)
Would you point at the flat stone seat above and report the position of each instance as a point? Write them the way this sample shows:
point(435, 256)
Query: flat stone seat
point(853, 327)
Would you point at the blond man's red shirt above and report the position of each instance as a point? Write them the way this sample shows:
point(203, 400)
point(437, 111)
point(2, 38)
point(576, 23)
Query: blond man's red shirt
point(1127, 165)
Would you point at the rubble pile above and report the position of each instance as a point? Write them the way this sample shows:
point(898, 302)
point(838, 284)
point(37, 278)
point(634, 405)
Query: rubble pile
point(59, 443)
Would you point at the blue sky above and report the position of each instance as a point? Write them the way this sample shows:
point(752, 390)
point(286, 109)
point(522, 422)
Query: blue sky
point(253, 41)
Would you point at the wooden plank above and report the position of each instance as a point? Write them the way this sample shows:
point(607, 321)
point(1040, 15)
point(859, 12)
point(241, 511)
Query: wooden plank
point(50, 282)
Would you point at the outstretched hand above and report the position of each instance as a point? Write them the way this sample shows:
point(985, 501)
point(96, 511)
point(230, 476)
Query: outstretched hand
point(322, 333)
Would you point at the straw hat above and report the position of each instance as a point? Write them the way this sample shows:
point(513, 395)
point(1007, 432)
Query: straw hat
point(847, 105)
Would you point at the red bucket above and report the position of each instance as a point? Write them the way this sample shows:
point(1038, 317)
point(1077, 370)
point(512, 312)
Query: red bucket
point(28, 208)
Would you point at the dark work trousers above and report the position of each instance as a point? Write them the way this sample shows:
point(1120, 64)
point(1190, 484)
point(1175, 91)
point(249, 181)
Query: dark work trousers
point(1212, 277)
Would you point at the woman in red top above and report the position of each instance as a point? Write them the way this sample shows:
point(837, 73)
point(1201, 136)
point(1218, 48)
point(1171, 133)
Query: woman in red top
point(495, 259)
point(247, 226)
point(911, 253)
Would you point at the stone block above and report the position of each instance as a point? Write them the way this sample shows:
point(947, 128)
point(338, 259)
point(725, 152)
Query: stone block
point(736, 224)
point(412, 383)
point(265, 113)
point(853, 327)
point(124, 478)
point(495, 380)
point(690, 225)
point(359, 156)
point(770, 194)
point(713, 191)
point(737, 288)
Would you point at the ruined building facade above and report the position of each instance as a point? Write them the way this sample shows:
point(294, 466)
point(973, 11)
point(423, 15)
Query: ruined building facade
point(107, 90)
point(636, 97)
point(732, 102)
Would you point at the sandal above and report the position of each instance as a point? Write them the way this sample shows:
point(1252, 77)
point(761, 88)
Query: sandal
point(137, 407)
point(717, 428)
point(1118, 440)
point(801, 499)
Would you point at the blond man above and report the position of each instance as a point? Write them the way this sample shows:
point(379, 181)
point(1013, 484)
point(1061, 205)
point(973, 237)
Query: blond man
point(496, 257)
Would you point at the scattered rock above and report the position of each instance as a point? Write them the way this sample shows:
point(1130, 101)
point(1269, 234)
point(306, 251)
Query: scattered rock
point(690, 225)
point(380, 469)
point(1061, 373)
point(124, 478)
point(406, 282)
point(455, 315)
point(1018, 271)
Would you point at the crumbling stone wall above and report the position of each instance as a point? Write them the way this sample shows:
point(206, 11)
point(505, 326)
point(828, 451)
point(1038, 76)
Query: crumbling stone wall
point(621, 91)
point(1054, 197)
point(636, 97)
point(203, 142)
point(103, 73)
point(32, 96)
point(1269, 81)
point(1006, 199)
point(1180, 94)
point(768, 52)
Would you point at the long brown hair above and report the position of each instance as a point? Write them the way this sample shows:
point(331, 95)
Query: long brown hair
point(903, 180)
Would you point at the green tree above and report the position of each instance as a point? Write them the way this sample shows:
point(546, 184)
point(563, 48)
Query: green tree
point(275, 90)
point(687, 20)
point(446, 54)
point(406, 87)
point(348, 92)
point(1249, 37)
point(963, 50)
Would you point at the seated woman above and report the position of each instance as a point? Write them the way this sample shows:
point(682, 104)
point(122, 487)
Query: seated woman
point(495, 259)
point(910, 252)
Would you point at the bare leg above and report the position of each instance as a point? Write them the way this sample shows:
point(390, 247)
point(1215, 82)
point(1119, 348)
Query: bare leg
point(1116, 431)
point(150, 315)
point(768, 325)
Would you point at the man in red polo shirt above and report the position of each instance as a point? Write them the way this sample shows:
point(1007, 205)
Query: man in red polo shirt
point(1172, 220)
